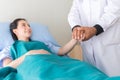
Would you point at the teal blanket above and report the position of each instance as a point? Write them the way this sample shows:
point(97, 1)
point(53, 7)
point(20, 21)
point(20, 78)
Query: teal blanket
point(52, 67)
point(48, 66)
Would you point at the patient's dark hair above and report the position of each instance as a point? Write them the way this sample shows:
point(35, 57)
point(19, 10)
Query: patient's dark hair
point(14, 25)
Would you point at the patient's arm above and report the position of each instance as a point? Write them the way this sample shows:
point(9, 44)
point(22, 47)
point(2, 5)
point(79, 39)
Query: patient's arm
point(6, 61)
point(18, 61)
point(41, 51)
point(13, 63)
point(68, 47)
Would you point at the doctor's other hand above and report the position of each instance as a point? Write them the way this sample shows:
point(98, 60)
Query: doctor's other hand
point(89, 32)
point(83, 33)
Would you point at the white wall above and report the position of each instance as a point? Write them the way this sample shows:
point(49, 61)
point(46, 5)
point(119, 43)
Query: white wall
point(52, 13)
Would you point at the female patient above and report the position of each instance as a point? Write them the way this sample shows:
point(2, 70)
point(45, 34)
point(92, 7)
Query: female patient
point(21, 32)
point(57, 68)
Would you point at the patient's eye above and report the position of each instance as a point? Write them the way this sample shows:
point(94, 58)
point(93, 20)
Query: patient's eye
point(24, 24)
point(28, 25)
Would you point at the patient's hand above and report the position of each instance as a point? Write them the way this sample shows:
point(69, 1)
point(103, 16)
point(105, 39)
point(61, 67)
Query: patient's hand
point(40, 51)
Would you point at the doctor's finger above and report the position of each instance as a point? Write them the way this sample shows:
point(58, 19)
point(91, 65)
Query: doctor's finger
point(74, 33)
point(82, 34)
point(83, 37)
point(78, 34)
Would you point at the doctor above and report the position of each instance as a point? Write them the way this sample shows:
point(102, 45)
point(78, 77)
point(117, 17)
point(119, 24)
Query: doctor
point(96, 23)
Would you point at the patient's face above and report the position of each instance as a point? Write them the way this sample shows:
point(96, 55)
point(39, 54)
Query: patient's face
point(23, 30)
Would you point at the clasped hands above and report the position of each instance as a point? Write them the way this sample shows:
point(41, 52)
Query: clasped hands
point(83, 33)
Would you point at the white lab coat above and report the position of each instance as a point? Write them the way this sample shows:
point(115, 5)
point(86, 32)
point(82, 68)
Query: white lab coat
point(102, 51)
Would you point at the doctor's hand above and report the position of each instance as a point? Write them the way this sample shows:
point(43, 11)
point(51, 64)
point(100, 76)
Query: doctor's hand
point(89, 32)
point(78, 33)
point(83, 33)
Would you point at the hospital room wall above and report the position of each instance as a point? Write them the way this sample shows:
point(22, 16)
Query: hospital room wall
point(52, 13)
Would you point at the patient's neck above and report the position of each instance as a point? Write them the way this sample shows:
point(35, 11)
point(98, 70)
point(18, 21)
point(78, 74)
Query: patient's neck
point(23, 39)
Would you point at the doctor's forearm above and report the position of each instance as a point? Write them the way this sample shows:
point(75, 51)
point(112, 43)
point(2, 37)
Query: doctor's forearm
point(111, 14)
point(73, 16)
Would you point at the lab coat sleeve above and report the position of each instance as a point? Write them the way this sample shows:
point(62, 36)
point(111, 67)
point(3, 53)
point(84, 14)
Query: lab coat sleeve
point(74, 15)
point(111, 14)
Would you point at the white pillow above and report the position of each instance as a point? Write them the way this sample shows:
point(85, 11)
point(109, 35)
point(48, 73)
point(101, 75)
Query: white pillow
point(39, 32)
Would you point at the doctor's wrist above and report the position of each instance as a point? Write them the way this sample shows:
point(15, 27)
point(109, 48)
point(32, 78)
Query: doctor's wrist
point(99, 29)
